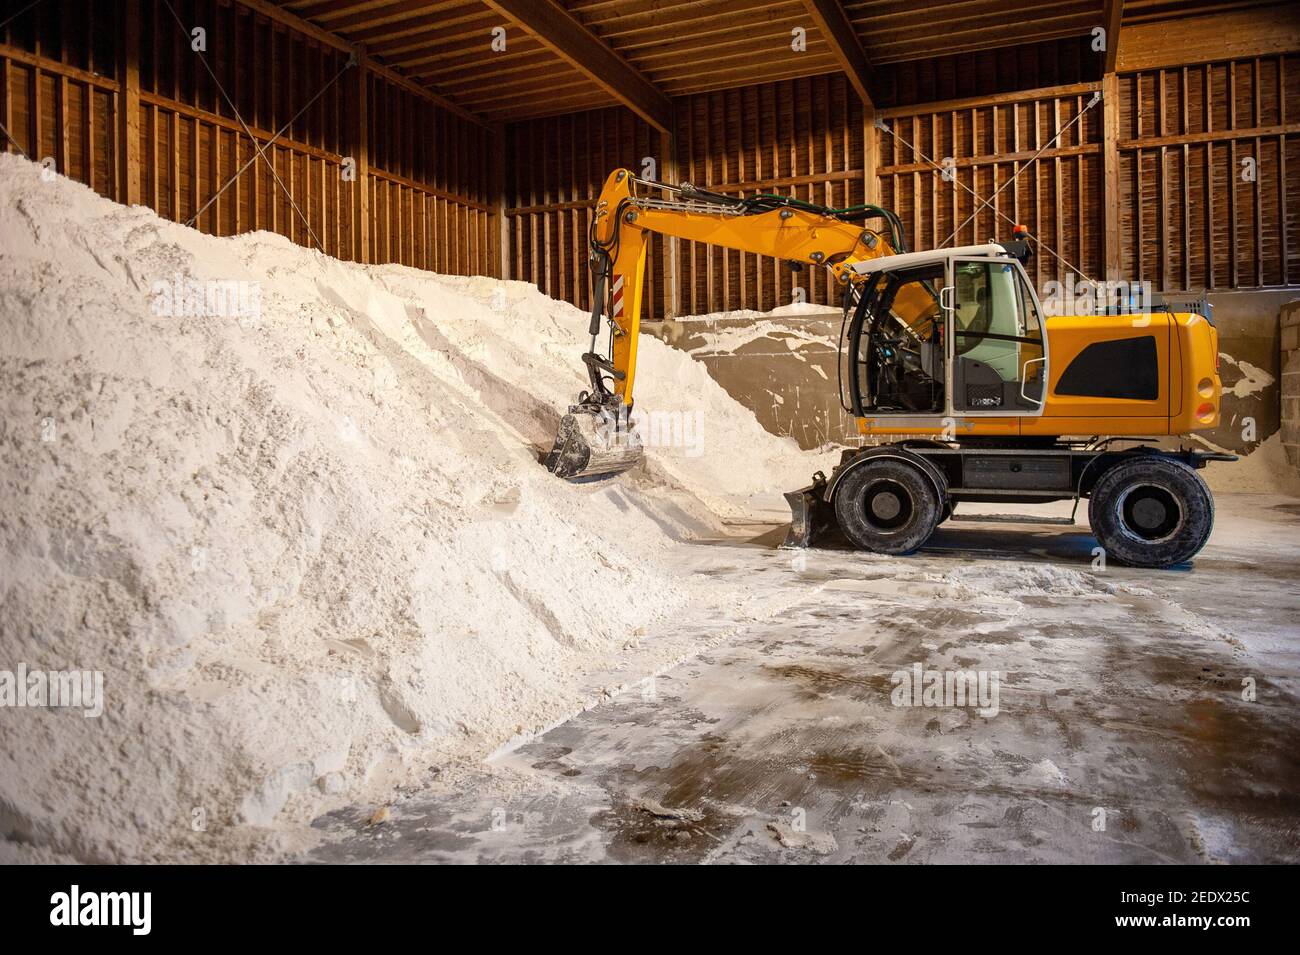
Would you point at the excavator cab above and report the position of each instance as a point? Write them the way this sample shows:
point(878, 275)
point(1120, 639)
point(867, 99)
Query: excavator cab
point(956, 332)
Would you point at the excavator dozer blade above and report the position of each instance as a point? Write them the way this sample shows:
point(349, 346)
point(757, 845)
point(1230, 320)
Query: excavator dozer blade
point(593, 443)
point(812, 520)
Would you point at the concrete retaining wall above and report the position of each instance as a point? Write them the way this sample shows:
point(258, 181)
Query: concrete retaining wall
point(1289, 359)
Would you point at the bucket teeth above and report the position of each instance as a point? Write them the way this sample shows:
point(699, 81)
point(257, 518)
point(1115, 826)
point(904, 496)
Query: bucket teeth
point(593, 442)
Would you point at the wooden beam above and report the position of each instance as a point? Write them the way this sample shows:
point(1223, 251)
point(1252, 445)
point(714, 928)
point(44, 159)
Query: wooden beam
point(500, 223)
point(58, 67)
point(1110, 174)
point(995, 99)
point(1114, 16)
point(361, 153)
point(870, 157)
point(578, 46)
point(672, 245)
point(1258, 31)
point(993, 159)
point(1210, 136)
point(128, 107)
point(834, 26)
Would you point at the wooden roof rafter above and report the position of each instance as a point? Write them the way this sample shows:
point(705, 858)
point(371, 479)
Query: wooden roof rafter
point(1114, 17)
point(328, 38)
point(834, 26)
point(556, 28)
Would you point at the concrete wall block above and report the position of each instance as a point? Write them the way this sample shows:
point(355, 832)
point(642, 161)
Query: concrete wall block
point(1290, 338)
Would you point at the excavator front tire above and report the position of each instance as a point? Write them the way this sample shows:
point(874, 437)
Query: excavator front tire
point(886, 506)
point(1151, 511)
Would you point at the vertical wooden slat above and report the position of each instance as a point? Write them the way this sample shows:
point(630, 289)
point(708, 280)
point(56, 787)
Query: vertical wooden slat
point(1162, 187)
point(917, 239)
point(361, 153)
point(1234, 255)
point(195, 172)
point(174, 165)
point(1038, 194)
point(6, 98)
point(499, 228)
point(36, 111)
point(1208, 121)
point(1257, 185)
point(62, 138)
point(1057, 192)
point(1282, 216)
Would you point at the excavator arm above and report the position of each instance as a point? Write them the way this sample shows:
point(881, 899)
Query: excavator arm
point(776, 226)
point(597, 437)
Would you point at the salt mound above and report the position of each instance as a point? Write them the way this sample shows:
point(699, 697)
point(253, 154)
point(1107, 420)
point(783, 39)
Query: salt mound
point(305, 544)
point(708, 442)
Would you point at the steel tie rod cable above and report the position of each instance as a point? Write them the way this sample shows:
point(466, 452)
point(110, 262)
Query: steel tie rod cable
point(880, 124)
point(260, 153)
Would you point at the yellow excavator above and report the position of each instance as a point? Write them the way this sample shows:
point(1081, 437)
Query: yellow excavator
point(947, 352)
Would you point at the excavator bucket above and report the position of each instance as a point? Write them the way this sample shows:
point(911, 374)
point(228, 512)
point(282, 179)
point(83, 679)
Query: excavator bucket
point(594, 442)
point(812, 520)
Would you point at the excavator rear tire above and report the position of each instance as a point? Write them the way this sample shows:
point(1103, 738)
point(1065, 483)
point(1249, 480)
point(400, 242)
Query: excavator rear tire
point(1151, 511)
point(886, 506)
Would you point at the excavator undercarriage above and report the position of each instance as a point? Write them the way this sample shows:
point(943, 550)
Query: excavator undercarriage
point(1160, 514)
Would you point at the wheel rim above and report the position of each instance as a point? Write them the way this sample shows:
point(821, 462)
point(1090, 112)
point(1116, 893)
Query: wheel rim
point(886, 505)
point(1150, 512)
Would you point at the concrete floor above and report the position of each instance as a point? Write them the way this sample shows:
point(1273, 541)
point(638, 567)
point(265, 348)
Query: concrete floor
point(1121, 732)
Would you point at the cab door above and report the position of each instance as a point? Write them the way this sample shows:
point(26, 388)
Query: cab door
point(996, 349)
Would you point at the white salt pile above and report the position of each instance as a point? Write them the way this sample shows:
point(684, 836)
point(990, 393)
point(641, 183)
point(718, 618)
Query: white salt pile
point(310, 544)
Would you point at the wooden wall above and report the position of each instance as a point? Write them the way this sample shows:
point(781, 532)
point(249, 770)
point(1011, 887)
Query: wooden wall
point(989, 144)
point(800, 137)
point(59, 95)
point(555, 170)
point(808, 138)
point(112, 91)
point(430, 185)
point(1183, 220)
point(982, 73)
point(1191, 215)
